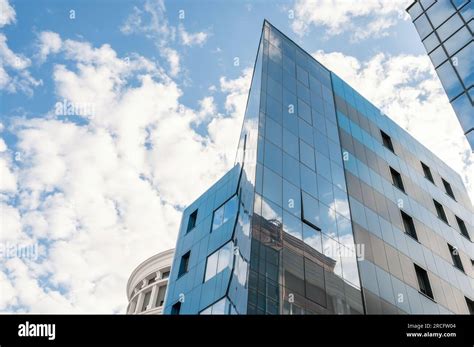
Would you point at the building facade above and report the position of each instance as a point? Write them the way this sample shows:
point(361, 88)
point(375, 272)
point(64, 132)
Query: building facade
point(331, 208)
point(446, 28)
point(146, 287)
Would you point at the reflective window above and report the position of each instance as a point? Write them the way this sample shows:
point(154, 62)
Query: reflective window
point(275, 71)
point(273, 132)
point(225, 212)
point(291, 170)
point(184, 264)
point(308, 181)
point(274, 53)
point(431, 42)
point(272, 186)
point(449, 80)
point(449, 27)
point(458, 40)
point(315, 86)
point(274, 89)
point(438, 56)
point(423, 26)
point(291, 198)
point(288, 64)
point(307, 155)
point(290, 143)
point(302, 75)
point(289, 82)
point(220, 307)
point(439, 12)
point(326, 194)
point(465, 64)
point(219, 260)
point(273, 157)
point(303, 92)
point(304, 111)
point(274, 109)
point(314, 282)
point(290, 107)
point(292, 225)
point(306, 132)
point(323, 166)
point(327, 221)
point(310, 210)
point(312, 237)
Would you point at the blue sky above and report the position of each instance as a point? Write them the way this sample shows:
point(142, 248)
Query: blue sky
point(102, 190)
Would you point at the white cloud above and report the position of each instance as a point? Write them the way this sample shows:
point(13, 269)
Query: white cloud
point(18, 78)
point(7, 13)
point(191, 39)
point(103, 192)
point(338, 16)
point(407, 89)
point(49, 42)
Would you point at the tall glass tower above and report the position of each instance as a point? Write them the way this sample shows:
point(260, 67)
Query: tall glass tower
point(446, 28)
point(331, 208)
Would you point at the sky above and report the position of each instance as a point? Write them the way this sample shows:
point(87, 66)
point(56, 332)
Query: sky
point(115, 115)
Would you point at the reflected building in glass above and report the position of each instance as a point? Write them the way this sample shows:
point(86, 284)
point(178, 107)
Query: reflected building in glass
point(446, 28)
point(331, 208)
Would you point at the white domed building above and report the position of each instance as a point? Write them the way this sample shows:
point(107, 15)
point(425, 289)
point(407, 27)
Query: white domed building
point(146, 287)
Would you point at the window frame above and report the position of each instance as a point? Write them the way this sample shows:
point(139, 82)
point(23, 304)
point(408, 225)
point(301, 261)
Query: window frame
point(448, 189)
point(440, 212)
point(192, 221)
point(457, 262)
point(183, 269)
point(427, 172)
point(409, 225)
point(423, 280)
point(397, 180)
point(387, 141)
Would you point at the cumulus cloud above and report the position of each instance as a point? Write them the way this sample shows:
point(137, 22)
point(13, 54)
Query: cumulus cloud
point(191, 39)
point(152, 22)
point(48, 43)
point(7, 13)
point(338, 16)
point(408, 90)
point(100, 195)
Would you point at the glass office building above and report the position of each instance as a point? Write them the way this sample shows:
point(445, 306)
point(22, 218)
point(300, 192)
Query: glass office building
point(446, 28)
point(331, 208)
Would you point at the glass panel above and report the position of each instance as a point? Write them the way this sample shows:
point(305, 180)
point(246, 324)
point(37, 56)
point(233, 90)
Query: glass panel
point(303, 92)
point(273, 132)
point(448, 28)
point(449, 80)
point(302, 75)
point(457, 41)
point(273, 157)
point(308, 181)
point(431, 42)
point(438, 56)
point(310, 210)
point(307, 155)
point(304, 111)
point(423, 26)
point(290, 143)
point(218, 218)
point(288, 64)
point(272, 186)
point(291, 170)
point(274, 89)
point(464, 64)
point(225, 257)
point(211, 266)
point(439, 12)
point(312, 238)
point(291, 198)
point(289, 104)
point(292, 225)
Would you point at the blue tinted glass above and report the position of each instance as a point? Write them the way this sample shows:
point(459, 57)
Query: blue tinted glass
point(271, 211)
point(273, 157)
point(290, 122)
point(274, 88)
point(218, 218)
point(320, 142)
point(327, 218)
point(457, 41)
point(465, 64)
point(274, 53)
point(334, 152)
point(338, 176)
point(272, 186)
point(307, 155)
point(288, 49)
point(302, 75)
point(292, 225)
point(310, 210)
point(291, 171)
point(431, 42)
point(274, 109)
point(312, 238)
point(274, 71)
point(291, 198)
point(323, 166)
point(326, 194)
point(315, 86)
point(438, 56)
point(230, 209)
point(341, 203)
point(303, 92)
point(289, 82)
point(290, 143)
point(319, 122)
point(289, 64)
point(332, 131)
point(344, 230)
point(289, 104)
point(317, 103)
point(450, 27)
point(327, 94)
point(449, 79)
point(273, 132)
point(308, 181)
point(304, 111)
point(423, 26)
point(305, 131)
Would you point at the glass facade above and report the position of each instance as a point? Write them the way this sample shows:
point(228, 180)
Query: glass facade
point(446, 28)
point(311, 218)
